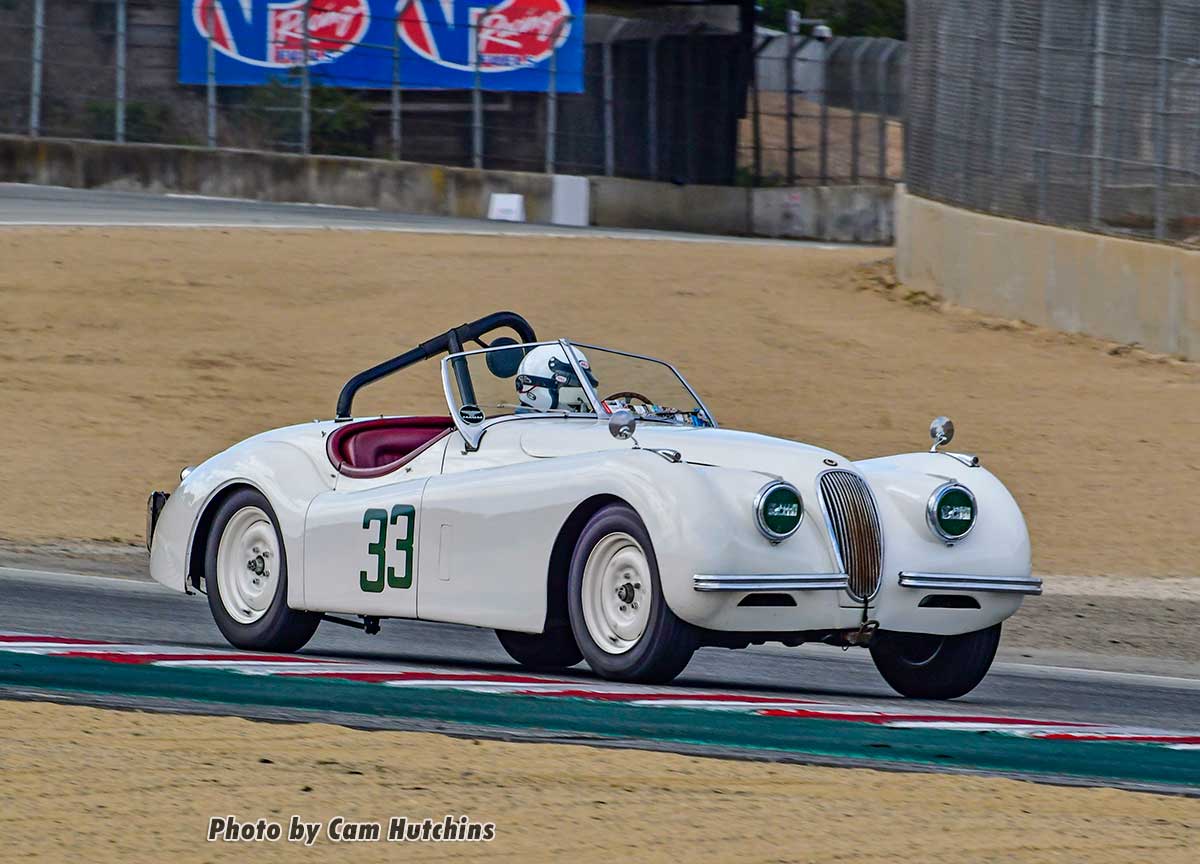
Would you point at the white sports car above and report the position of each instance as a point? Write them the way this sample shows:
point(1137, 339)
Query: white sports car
point(584, 503)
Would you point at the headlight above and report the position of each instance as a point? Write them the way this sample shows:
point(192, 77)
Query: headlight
point(778, 510)
point(951, 512)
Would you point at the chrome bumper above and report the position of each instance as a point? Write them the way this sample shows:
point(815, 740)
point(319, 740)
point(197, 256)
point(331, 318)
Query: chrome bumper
point(772, 582)
point(958, 582)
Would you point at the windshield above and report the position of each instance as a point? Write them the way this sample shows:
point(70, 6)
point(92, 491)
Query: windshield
point(648, 387)
point(559, 378)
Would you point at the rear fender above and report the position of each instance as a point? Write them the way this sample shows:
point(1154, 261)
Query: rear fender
point(282, 472)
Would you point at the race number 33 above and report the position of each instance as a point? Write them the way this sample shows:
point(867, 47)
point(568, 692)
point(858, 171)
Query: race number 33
point(379, 522)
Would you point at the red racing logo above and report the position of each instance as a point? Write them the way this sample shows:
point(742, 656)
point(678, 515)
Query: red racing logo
point(273, 34)
point(514, 34)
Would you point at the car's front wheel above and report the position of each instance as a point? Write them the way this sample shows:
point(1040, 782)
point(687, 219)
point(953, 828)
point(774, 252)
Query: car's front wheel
point(924, 666)
point(245, 576)
point(621, 621)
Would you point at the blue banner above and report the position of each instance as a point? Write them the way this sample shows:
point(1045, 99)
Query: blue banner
point(423, 44)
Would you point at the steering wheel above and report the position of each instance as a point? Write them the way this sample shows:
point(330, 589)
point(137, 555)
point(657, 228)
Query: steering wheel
point(629, 394)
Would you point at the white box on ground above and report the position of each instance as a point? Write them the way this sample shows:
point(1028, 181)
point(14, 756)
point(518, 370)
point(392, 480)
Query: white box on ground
point(570, 200)
point(506, 207)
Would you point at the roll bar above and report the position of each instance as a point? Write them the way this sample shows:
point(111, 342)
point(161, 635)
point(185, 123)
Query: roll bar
point(450, 342)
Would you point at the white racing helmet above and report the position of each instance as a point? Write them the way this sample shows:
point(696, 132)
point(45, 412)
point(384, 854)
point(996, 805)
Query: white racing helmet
point(546, 381)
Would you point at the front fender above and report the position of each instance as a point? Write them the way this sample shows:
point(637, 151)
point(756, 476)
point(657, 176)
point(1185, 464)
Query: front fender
point(284, 473)
point(998, 545)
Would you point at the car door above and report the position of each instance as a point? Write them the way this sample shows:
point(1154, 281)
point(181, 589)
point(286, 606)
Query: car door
point(362, 539)
point(490, 521)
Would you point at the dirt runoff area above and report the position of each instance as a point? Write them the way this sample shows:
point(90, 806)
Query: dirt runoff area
point(126, 354)
point(66, 793)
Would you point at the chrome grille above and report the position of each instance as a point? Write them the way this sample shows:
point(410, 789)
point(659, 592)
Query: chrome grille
point(854, 523)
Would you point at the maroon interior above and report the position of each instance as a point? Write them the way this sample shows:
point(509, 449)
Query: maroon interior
point(372, 448)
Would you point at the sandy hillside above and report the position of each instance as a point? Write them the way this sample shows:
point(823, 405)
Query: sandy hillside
point(66, 794)
point(126, 354)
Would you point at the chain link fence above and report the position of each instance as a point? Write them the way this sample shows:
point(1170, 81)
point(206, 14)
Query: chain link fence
point(1083, 113)
point(660, 100)
point(824, 111)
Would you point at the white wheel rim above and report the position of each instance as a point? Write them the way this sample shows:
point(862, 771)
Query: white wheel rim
point(616, 593)
point(248, 565)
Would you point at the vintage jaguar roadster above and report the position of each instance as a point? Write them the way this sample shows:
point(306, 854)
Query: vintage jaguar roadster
point(585, 504)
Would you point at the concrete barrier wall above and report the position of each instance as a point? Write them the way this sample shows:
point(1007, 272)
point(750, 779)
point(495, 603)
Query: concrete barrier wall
point(408, 187)
point(853, 214)
point(621, 203)
point(1125, 290)
point(842, 214)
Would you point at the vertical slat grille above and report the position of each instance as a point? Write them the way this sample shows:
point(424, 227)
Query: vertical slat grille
point(855, 526)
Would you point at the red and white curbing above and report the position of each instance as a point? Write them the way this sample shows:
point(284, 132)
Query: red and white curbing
point(398, 675)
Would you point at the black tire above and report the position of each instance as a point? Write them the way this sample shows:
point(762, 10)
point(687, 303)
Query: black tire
point(551, 651)
point(281, 630)
point(922, 666)
point(667, 643)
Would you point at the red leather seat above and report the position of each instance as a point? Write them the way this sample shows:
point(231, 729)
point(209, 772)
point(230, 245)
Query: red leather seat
point(372, 448)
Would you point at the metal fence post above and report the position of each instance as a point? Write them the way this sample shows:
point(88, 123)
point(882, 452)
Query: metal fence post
point(477, 93)
point(1162, 130)
point(1041, 131)
point(1100, 30)
point(791, 25)
point(906, 114)
point(882, 87)
point(610, 154)
point(998, 110)
point(831, 48)
point(306, 88)
point(211, 75)
point(552, 97)
point(35, 78)
point(856, 105)
point(396, 130)
point(119, 114)
point(652, 107)
point(757, 108)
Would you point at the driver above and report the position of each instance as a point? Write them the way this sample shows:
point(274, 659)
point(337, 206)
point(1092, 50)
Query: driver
point(546, 381)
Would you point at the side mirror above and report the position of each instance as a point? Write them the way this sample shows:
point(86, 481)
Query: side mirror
point(622, 424)
point(941, 430)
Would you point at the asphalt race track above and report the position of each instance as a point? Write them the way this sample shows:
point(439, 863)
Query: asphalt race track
point(123, 610)
point(36, 206)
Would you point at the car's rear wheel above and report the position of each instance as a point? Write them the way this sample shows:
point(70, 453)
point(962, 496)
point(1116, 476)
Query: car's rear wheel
point(620, 619)
point(924, 666)
point(545, 652)
point(245, 575)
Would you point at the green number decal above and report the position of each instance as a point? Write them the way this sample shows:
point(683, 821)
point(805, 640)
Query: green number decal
point(374, 584)
point(385, 575)
point(403, 544)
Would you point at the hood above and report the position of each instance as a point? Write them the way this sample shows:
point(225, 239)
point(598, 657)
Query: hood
point(725, 448)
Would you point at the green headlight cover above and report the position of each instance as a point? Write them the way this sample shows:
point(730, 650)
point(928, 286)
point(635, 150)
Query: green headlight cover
point(955, 512)
point(781, 511)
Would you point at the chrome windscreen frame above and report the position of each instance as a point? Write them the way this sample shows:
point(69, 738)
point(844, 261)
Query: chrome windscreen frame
point(473, 434)
point(712, 421)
